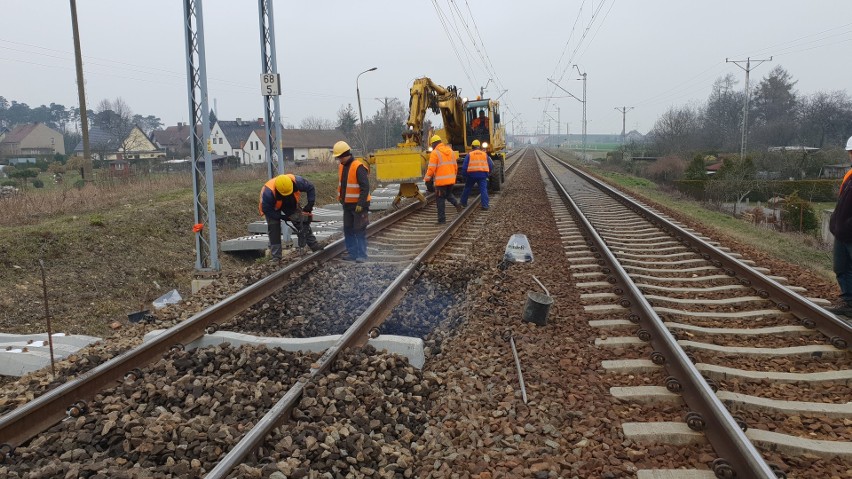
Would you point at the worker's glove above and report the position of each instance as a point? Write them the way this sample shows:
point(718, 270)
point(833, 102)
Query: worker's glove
point(308, 208)
point(430, 186)
point(359, 209)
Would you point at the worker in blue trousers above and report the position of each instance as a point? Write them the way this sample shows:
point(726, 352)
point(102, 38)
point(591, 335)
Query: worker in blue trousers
point(476, 168)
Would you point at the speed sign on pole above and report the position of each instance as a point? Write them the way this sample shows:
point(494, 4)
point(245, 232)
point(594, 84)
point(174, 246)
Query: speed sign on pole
point(270, 84)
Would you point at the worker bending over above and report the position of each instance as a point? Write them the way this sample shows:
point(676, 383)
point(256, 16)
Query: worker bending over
point(442, 170)
point(476, 168)
point(279, 201)
point(353, 192)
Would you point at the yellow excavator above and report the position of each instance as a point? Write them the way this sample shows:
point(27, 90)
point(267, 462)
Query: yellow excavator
point(464, 121)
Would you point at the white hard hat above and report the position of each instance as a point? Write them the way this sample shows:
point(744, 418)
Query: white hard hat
point(849, 144)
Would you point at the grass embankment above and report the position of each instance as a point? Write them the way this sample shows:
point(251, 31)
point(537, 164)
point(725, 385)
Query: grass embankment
point(801, 250)
point(111, 249)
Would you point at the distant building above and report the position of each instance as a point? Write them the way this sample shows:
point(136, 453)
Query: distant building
point(22, 161)
point(834, 171)
point(714, 168)
point(298, 146)
point(135, 146)
point(782, 149)
point(229, 137)
point(174, 140)
point(32, 139)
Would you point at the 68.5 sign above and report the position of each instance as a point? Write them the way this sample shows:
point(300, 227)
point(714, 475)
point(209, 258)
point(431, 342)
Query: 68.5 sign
point(270, 84)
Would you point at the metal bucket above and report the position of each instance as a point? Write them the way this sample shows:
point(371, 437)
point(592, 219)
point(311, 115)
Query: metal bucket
point(537, 306)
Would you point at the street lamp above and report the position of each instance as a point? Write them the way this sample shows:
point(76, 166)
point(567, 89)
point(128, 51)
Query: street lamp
point(358, 92)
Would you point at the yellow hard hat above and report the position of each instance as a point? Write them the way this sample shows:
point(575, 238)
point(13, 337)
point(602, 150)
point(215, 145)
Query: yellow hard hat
point(434, 139)
point(284, 185)
point(475, 143)
point(340, 148)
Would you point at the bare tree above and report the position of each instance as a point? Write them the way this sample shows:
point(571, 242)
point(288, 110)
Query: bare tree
point(733, 182)
point(316, 123)
point(115, 119)
point(667, 168)
point(826, 118)
point(722, 116)
point(677, 130)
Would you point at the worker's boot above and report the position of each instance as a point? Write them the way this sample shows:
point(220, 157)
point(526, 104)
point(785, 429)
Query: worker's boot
point(275, 251)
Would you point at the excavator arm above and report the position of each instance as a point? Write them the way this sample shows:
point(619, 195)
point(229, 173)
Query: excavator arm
point(428, 95)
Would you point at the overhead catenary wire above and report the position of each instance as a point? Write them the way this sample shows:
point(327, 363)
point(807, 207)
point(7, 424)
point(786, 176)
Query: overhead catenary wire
point(450, 39)
point(477, 54)
point(572, 58)
point(180, 78)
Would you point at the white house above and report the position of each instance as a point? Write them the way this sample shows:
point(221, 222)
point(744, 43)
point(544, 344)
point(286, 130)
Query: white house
point(229, 137)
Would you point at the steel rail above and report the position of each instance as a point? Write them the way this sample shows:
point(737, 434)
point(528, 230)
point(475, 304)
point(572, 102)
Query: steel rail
point(32, 418)
point(809, 314)
point(735, 450)
point(357, 334)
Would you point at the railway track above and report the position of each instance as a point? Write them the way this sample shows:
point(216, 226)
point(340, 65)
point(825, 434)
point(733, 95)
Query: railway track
point(400, 244)
point(734, 355)
point(219, 411)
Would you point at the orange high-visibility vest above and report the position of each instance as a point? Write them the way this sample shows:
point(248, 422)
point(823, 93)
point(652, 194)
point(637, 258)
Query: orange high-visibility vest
point(353, 189)
point(845, 179)
point(279, 200)
point(443, 166)
point(477, 161)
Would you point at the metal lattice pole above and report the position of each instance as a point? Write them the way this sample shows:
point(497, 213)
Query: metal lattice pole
point(271, 103)
point(206, 245)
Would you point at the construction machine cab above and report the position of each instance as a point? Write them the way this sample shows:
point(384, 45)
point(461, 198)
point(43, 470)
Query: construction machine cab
point(478, 121)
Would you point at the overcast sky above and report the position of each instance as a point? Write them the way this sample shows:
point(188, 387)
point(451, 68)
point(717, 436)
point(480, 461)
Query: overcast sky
point(648, 54)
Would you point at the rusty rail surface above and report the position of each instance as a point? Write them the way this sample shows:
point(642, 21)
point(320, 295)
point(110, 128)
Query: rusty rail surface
point(736, 452)
point(356, 335)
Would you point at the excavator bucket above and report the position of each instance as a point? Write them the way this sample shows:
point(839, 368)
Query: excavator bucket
point(403, 165)
point(399, 165)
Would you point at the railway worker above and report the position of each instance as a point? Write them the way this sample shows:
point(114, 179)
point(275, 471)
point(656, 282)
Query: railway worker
point(476, 168)
point(279, 200)
point(480, 123)
point(442, 171)
point(353, 192)
point(840, 226)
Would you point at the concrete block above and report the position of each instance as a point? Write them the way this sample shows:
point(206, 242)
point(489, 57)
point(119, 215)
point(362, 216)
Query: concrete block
point(674, 474)
point(411, 348)
point(197, 284)
point(24, 353)
point(672, 433)
point(246, 243)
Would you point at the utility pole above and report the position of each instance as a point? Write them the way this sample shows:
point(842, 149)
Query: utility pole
point(385, 103)
point(270, 90)
point(583, 101)
point(81, 94)
point(623, 111)
point(584, 109)
point(748, 68)
point(558, 115)
point(206, 239)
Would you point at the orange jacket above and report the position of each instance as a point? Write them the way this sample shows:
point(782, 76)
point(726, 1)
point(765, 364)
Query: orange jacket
point(353, 189)
point(443, 166)
point(279, 200)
